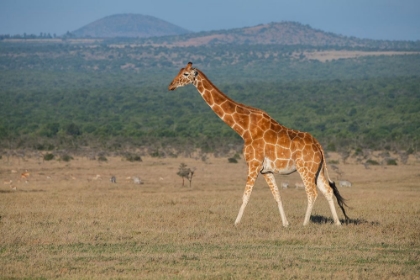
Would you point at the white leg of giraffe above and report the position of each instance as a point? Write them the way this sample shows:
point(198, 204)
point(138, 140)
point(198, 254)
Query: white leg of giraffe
point(245, 199)
point(252, 177)
point(326, 190)
point(311, 201)
point(269, 178)
point(310, 188)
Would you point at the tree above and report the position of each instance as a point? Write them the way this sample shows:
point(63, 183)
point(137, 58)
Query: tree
point(72, 129)
point(185, 173)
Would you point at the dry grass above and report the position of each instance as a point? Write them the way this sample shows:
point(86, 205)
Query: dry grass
point(70, 226)
point(324, 56)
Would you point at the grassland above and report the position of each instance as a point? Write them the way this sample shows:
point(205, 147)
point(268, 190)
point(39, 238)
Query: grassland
point(65, 224)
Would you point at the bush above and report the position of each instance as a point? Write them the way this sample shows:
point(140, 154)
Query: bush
point(66, 158)
point(232, 160)
point(185, 173)
point(391, 161)
point(48, 157)
point(372, 162)
point(102, 158)
point(132, 157)
point(237, 156)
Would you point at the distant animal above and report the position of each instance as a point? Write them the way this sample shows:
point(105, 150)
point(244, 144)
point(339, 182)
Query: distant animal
point(137, 180)
point(113, 179)
point(344, 184)
point(284, 185)
point(97, 177)
point(25, 174)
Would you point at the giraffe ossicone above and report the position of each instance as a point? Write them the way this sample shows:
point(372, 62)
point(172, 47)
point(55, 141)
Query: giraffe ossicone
point(269, 147)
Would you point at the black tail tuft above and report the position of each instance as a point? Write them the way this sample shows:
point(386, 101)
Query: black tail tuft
point(340, 200)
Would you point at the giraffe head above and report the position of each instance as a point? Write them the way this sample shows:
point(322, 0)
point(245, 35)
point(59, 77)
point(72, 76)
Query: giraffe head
point(185, 76)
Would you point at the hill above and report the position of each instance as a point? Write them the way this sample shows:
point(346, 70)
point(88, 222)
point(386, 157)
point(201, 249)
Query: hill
point(278, 33)
point(128, 25)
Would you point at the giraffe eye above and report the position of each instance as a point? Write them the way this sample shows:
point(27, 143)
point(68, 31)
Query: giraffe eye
point(185, 74)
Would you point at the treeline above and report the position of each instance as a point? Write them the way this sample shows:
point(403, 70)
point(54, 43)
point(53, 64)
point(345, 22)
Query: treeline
point(370, 113)
point(239, 62)
point(26, 36)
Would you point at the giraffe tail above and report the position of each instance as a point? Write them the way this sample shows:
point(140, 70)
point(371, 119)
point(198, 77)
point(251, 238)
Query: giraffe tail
point(340, 200)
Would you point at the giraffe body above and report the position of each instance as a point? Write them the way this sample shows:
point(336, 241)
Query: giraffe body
point(269, 147)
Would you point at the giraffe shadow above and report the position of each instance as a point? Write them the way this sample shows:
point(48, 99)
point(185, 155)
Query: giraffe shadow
point(319, 219)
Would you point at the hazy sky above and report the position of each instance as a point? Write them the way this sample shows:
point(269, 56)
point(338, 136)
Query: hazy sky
point(375, 19)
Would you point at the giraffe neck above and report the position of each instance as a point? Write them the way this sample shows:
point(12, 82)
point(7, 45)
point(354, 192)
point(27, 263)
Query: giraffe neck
point(234, 114)
point(212, 95)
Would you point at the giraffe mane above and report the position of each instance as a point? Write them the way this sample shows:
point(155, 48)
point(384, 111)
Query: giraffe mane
point(250, 108)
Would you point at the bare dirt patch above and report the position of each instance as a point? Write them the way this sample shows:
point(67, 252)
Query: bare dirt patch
point(324, 56)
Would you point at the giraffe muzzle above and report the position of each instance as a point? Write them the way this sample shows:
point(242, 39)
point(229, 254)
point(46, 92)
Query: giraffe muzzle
point(171, 87)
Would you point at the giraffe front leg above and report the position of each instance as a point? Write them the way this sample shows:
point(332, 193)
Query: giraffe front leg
point(245, 200)
point(269, 178)
point(252, 176)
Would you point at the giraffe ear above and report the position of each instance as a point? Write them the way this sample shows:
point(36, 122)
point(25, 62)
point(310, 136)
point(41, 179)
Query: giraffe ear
point(189, 65)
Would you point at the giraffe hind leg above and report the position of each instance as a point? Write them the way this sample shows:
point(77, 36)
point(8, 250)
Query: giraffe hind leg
point(311, 195)
point(308, 179)
point(328, 191)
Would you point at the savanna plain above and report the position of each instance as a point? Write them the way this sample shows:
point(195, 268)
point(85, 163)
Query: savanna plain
point(67, 222)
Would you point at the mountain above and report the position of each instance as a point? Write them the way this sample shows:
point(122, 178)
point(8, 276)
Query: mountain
point(278, 33)
point(156, 32)
point(128, 25)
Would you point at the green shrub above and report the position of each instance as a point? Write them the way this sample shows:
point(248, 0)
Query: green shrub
point(132, 157)
point(48, 157)
point(372, 162)
point(66, 158)
point(232, 160)
point(102, 158)
point(391, 161)
point(237, 156)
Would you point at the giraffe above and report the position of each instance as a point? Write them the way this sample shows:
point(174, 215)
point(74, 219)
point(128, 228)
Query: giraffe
point(269, 147)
